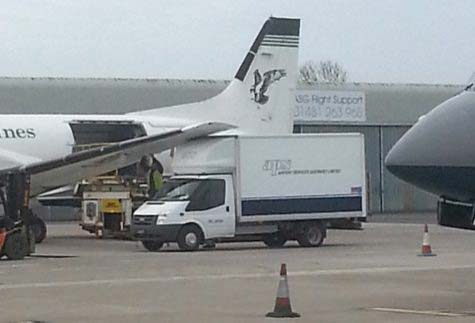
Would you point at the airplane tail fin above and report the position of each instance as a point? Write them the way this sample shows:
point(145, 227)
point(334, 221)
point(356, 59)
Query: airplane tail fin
point(258, 99)
point(275, 48)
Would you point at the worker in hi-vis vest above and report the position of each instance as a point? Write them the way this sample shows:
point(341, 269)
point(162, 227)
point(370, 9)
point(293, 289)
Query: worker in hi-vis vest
point(155, 179)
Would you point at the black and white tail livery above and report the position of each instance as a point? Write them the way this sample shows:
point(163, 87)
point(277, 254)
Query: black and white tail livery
point(258, 99)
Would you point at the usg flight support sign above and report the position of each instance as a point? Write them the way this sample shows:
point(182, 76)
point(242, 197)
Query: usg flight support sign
point(334, 106)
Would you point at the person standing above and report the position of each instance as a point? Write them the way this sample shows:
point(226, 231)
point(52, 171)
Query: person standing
point(155, 180)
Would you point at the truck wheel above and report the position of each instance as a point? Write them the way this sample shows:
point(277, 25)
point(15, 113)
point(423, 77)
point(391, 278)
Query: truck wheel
point(152, 245)
point(274, 240)
point(39, 228)
point(16, 247)
point(189, 238)
point(311, 236)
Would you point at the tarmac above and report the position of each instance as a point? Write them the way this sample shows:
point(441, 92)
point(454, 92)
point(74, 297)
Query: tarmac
point(373, 275)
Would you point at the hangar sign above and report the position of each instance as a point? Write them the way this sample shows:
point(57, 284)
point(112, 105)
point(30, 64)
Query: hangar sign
point(346, 106)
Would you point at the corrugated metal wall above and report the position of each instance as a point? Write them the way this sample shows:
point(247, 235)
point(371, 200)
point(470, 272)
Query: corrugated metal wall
point(387, 193)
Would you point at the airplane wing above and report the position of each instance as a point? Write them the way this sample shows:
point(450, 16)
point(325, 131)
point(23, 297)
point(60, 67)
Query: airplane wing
point(10, 159)
point(50, 174)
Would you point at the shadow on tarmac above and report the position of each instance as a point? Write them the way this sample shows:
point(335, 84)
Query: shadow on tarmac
point(247, 248)
point(52, 256)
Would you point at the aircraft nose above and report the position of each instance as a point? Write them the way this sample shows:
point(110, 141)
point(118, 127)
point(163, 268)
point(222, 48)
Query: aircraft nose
point(434, 151)
point(406, 157)
point(414, 158)
point(395, 158)
point(419, 146)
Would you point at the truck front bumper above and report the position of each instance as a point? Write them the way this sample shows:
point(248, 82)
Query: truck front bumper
point(163, 233)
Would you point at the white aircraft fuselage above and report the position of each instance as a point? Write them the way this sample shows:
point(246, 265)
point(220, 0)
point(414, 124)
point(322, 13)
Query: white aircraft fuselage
point(42, 137)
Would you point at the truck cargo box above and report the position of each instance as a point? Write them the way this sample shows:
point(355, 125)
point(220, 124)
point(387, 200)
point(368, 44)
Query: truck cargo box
point(290, 177)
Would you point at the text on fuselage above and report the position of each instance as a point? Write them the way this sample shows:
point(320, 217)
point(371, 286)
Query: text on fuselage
point(20, 133)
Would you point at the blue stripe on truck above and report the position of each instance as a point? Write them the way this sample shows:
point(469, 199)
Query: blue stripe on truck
point(301, 205)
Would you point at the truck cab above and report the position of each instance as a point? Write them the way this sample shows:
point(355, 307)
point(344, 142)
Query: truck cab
point(187, 210)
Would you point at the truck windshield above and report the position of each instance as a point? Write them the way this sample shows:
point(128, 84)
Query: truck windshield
point(177, 190)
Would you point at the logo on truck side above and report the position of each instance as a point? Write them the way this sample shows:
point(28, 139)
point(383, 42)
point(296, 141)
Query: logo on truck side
point(284, 167)
point(276, 165)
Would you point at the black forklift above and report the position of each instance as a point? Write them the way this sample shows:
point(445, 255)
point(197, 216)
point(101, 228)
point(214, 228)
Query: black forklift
point(17, 238)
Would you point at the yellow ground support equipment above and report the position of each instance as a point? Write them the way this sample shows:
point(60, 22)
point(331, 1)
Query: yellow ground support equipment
point(107, 207)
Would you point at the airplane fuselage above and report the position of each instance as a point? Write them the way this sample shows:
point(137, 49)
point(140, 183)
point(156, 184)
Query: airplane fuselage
point(42, 137)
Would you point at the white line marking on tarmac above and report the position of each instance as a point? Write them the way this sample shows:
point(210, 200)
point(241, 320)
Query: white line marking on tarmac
point(406, 311)
point(304, 273)
point(16, 265)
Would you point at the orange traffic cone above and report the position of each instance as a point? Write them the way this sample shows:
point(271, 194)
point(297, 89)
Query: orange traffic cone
point(282, 306)
point(426, 250)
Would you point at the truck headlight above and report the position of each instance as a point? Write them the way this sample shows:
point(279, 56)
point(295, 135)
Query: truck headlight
point(161, 218)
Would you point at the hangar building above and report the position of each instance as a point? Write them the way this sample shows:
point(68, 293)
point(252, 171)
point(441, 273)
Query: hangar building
point(382, 112)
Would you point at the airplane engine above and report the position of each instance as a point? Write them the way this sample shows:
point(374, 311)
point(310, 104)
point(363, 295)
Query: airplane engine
point(455, 214)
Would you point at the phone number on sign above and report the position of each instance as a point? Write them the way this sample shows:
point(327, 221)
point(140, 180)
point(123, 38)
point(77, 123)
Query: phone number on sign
point(303, 112)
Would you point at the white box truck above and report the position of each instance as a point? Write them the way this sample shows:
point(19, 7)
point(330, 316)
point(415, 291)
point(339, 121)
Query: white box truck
point(256, 188)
